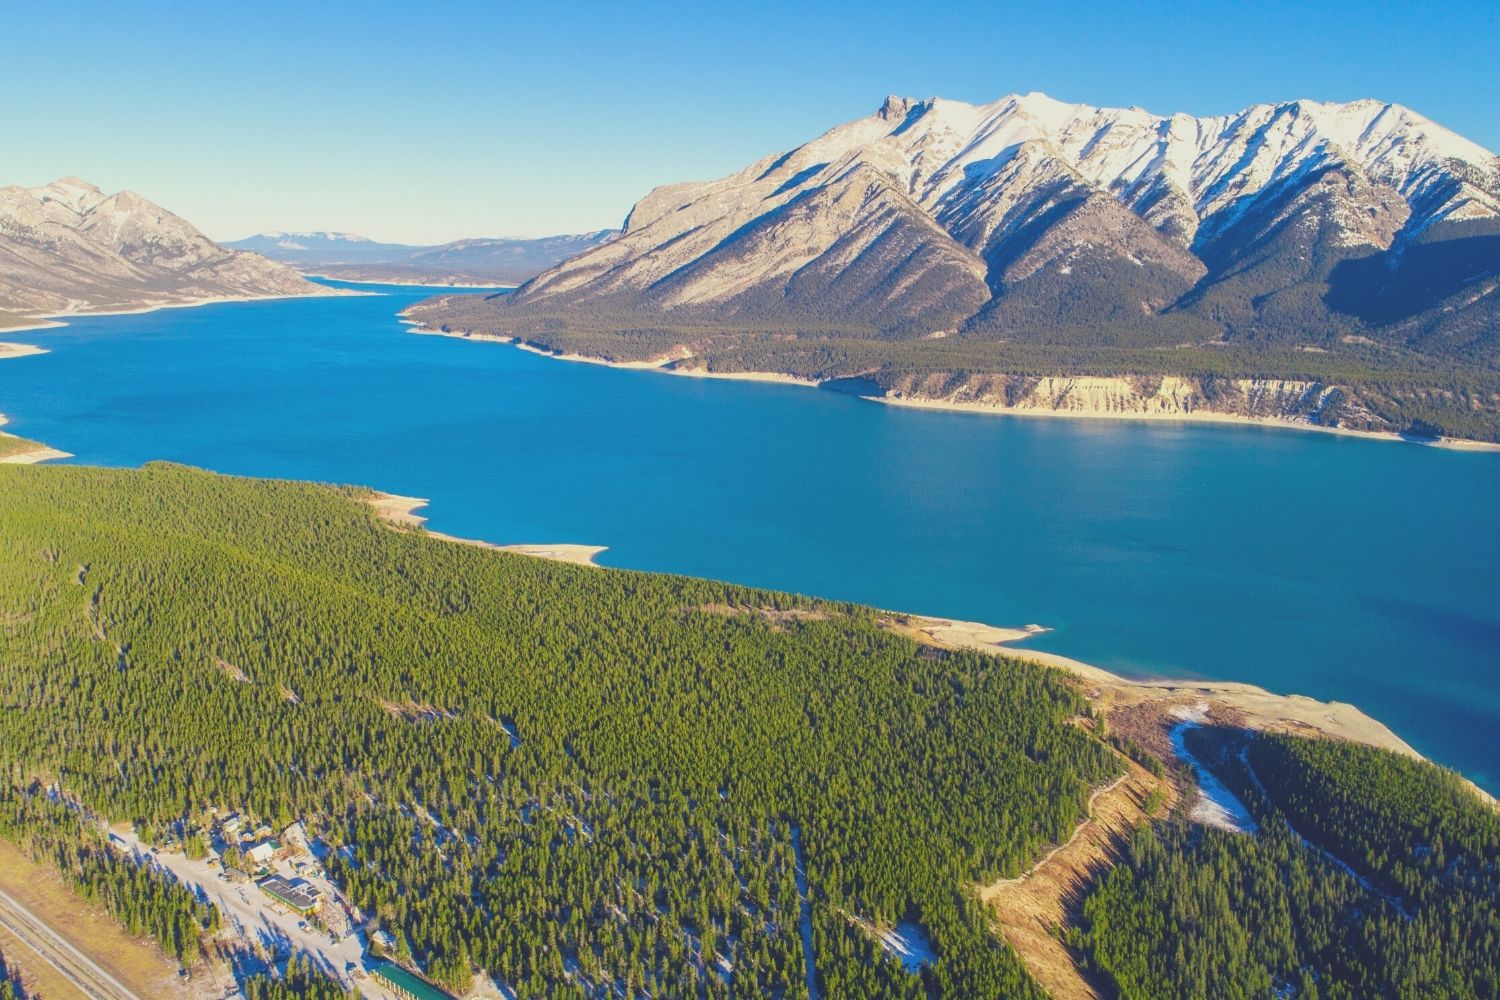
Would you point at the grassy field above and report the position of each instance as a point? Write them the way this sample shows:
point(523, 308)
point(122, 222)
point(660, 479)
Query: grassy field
point(138, 964)
point(38, 978)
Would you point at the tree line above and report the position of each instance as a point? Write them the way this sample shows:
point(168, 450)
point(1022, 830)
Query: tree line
point(579, 781)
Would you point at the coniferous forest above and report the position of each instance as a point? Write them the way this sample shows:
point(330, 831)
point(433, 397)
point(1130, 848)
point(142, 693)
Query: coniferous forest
point(589, 782)
point(576, 780)
point(1371, 875)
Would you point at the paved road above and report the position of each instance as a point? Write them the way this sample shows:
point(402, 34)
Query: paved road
point(79, 969)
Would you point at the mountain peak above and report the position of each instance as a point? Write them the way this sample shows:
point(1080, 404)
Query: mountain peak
point(896, 108)
point(74, 192)
point(1033, 209)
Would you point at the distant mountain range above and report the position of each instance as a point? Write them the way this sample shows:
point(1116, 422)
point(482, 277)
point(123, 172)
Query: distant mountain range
point(69, 247)
point(471, 261)
point(1352, 248)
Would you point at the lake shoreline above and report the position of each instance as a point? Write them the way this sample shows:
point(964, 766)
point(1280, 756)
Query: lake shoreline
point(407, 282)
point(669, 365)
point(52, 321)
point(40, 453)
point(401, 511)
point(1254, 706)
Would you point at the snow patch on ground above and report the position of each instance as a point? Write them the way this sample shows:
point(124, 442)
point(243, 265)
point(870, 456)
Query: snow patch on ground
point(909, 943)
point(1215, 805)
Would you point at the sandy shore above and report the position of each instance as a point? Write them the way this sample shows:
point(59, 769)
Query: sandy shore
point(54, 320)
point(20, 350)
point(28, 323)
point(194, 303)
point(666, 364)
point(671, 365)
point(35, 455)
point(40, 453)
point(402, 511)
point(1196, 417)
point(1248, 704)
point(411, 282)
point(1261, 708)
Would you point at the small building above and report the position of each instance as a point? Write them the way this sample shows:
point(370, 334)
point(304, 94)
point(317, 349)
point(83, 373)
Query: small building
point(407, 984)
point(231, 824)
point(261, 853)
point(299, 896)
point(236, 874)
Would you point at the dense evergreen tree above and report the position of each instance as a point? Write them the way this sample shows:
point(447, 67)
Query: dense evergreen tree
point(577, 780)
point(141, 900)
point(300, 981)
point(10, 982)
point(1372, 875)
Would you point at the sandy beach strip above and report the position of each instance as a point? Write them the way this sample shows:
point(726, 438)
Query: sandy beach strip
point(37, 452)
point(402, 512)
point(20, 351)
point(1261, 707)
point(667, 364)
point(1195, 417)
point(673, 365)
point(407, 282)
point(1254, 707)
point(212, 300)
point(33, 455)
point(53, 320)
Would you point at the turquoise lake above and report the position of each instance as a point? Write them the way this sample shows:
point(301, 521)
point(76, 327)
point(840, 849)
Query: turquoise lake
point(1340, 568)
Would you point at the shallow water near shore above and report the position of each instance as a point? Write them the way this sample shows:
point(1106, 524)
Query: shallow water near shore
point(1345, 569)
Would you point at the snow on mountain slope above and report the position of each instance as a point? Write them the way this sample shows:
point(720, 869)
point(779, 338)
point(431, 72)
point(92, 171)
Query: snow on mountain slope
point(1032, 193)
point(67, 246)
point(474, 260)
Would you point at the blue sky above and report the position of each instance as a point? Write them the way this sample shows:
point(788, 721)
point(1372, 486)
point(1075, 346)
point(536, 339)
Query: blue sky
point(429, 122)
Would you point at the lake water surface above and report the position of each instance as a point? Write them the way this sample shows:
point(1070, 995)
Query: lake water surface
point(1345, 569)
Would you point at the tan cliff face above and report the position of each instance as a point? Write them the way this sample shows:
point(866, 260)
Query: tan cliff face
point(1155, 396)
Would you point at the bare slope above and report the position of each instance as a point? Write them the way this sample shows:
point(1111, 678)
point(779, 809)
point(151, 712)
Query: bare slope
point(1353, 247)
point(69, 247)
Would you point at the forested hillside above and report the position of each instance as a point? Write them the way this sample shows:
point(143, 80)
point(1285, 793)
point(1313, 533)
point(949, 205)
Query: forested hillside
point(1372, 875)
point(577, 780)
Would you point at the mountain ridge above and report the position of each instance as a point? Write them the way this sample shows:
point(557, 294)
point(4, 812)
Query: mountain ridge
point(1029, 224)
point(472, 260)
point(69, 247)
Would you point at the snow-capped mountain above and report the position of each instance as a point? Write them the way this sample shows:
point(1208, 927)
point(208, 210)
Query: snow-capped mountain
point(67, 246)
point(1027, 214)
point(314, 249)
point(344, 255)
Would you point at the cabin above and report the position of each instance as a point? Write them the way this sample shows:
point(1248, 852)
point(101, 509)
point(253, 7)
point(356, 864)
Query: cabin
point(262, 852)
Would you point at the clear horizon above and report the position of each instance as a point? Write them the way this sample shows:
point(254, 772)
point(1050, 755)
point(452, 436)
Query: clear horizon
point(464, 120)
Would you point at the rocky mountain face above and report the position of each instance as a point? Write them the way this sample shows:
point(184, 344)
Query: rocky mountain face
point(1028, 214)
point(469, 261)
point(933, 240)
point(70, 247)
